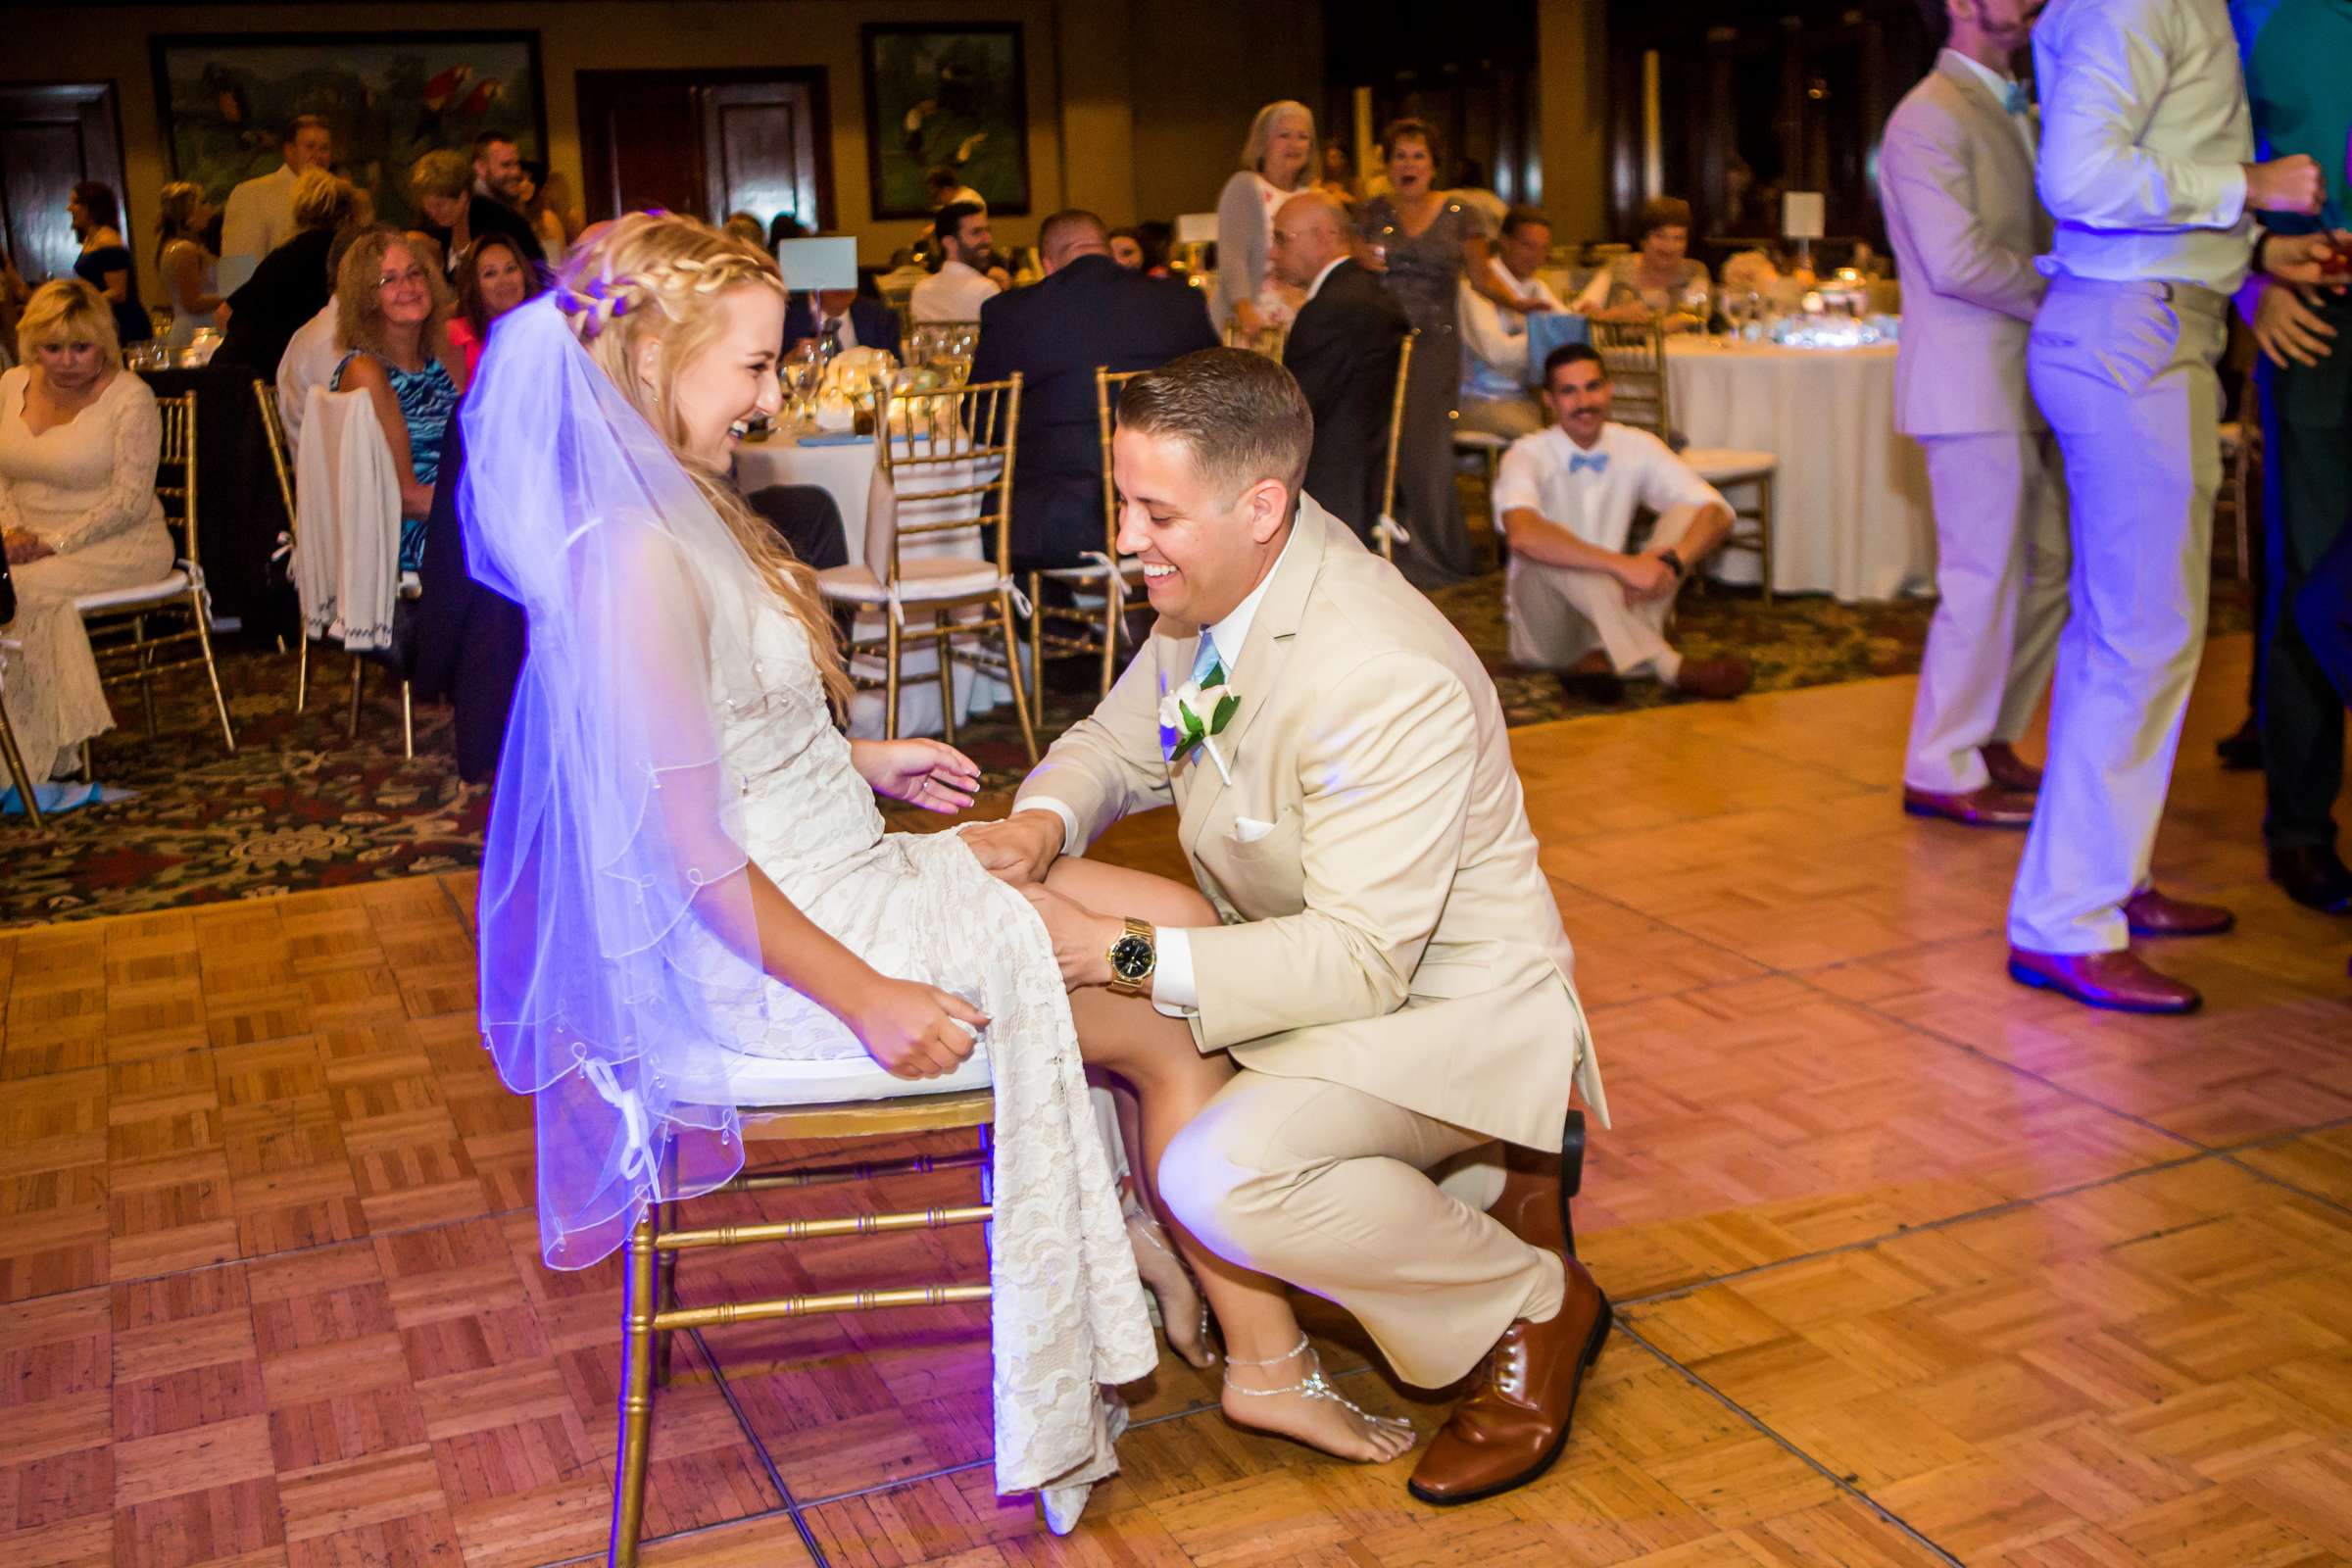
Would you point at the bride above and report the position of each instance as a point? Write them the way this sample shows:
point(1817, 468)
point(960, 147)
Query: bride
point(688, 901)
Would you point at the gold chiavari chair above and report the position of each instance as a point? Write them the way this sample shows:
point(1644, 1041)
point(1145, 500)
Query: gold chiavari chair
point(18, 775)
point(1098, 628)
point(1267, 340)
point(1384, 527)
point(941, 450)
point(651, 1313)
point(273, 425)
point(119, 618)
point(1633, 354)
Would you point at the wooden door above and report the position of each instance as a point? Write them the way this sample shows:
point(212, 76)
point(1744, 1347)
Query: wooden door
point(707, 141)
point(52, 138)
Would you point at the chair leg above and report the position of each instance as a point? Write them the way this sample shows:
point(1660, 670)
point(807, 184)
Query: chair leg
point(666, 1272)
point(639, 1305)
point(1764, 533)
point(1037, 636)
point(359, 675)
point(211, 669)
point(944, 621)
point(302, 671)
point(1012, 667)
point(1113, 602)
point(890, 673)
point(408, 722)
point(18, 774)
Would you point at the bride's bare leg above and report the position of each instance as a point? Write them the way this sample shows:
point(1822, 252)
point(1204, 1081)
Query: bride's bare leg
point(1173, 1080)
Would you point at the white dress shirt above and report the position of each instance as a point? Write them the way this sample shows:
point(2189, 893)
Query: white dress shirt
point(257, 218)
point(1597, 506)
point(1494, 339)
point(2144, 138)
point(1174, 991)
point(2002, 86)
point(953, 293)
point(310, 361)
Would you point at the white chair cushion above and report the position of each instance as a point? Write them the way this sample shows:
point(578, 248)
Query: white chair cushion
point(1092, 571)
point(1724, 464)
point(154, 593)
point(771, 1081)
point(926, 577)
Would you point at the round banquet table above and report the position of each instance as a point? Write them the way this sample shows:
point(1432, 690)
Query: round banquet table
point(850, 474)
point(1852, 514)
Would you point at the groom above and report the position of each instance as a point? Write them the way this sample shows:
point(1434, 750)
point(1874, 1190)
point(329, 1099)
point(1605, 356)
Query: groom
point(1391, 975)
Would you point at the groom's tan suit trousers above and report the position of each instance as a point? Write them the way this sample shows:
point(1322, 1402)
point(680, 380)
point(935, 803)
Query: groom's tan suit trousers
point(1391, 973)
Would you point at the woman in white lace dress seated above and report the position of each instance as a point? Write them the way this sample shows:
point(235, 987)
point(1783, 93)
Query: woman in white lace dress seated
point(689, 902)
point(79, 439)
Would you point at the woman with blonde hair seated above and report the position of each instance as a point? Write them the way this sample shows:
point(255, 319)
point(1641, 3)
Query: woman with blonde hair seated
point(689, 902)
point(188, 266)
point(80, 440)
point(392, 309)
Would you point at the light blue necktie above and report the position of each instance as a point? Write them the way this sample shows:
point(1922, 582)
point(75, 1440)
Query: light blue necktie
point(1205, 659)
point(2019, 101)
point(1598, 463)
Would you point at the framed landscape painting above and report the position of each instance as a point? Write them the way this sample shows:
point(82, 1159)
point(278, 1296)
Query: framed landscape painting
point(949, 97)
point(388, 97)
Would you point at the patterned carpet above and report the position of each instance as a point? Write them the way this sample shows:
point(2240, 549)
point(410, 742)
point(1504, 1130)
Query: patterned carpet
point(300, 806)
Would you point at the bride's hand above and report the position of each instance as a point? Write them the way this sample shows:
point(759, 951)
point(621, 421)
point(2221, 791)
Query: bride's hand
point(928, 773)
point(915, 1030)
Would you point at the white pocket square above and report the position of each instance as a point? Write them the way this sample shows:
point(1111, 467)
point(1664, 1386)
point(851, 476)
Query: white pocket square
point(1248, 829)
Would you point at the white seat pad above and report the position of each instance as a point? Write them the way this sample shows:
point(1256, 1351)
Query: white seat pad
point(924, 577)
point(774, 1081)
point(1716, 465)
point(126, 598)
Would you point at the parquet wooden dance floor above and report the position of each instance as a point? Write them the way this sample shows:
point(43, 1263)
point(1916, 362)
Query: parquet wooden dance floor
point(1914, 1266)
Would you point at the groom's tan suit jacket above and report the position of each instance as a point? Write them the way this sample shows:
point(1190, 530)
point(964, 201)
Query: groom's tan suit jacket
point(1390, 929)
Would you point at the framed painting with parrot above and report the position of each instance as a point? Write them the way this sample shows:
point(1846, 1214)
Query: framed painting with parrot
point(946, 97)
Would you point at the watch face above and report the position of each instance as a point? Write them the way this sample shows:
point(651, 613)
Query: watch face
point(1131, 958)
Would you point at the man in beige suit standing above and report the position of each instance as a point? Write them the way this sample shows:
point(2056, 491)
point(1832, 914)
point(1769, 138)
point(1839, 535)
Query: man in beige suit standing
point(1956, 177)
point(1389, 973)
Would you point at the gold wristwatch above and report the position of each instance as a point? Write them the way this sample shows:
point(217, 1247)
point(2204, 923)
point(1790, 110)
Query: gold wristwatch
point(1133, 957)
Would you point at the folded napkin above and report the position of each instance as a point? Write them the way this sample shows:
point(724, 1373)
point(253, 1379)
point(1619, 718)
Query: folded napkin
point(836, 438)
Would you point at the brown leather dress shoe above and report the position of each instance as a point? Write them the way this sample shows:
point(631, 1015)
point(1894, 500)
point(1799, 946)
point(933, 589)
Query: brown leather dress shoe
point(1719, 679)
point(2118, 982)
point(1515, 1422)
point(1989, 806)
point(2152, 914)
point(2008, 769)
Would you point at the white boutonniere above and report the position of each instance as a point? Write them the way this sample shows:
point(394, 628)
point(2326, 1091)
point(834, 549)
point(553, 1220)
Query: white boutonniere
point(1194, 713)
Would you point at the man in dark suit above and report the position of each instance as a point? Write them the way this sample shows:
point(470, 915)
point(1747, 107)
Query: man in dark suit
point(1090, 312)
point(855, 321)
point(1343, 351)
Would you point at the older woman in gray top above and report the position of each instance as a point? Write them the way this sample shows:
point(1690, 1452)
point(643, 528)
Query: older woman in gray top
point(1277, 162)
point(1427, 243)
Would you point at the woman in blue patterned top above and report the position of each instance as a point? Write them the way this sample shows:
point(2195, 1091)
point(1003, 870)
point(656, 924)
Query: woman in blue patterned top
point(392, 310)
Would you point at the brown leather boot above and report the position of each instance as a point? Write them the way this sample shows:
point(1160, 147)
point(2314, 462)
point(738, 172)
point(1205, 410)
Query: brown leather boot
point(1515, 1422)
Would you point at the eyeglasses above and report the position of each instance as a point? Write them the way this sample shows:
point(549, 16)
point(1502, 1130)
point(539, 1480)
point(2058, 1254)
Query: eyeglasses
point(414, 275)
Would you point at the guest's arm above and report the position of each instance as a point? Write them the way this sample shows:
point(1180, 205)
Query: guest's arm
point(128, 499)
point(114, 284)
point(365, 374)
point(1477, 252)
point(1386, 773)
point(1930, 181)
point(1241, 248)
point(187, 282)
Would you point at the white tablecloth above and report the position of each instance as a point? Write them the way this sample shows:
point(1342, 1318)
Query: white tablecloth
point(1852, 514)
point(849, 474)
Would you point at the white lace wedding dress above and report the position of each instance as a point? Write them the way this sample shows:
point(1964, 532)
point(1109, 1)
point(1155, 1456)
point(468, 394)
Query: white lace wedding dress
point(1067, 1313)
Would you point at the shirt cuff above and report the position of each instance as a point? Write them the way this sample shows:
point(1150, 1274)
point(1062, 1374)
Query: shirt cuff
point(1173, 993)
point(2232, 204)
point(1070, 837)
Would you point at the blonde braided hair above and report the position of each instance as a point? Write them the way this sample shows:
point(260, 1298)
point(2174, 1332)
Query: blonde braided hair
point(659, 275)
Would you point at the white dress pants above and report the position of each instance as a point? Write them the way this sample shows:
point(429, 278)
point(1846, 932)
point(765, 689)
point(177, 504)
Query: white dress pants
point(1557, 615)
point(2124, 373)
point(2000, 581)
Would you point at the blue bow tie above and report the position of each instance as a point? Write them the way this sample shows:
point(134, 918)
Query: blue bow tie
point(2020, 100)
point(1598, 463)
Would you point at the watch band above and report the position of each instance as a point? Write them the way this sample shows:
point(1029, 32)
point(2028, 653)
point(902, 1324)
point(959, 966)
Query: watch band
point(1675, 562)
point(1139, 931)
